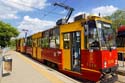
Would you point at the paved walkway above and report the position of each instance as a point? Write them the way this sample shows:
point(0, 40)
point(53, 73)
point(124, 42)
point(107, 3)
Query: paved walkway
point(26, 70)
point(23, 72)
point(121, 68)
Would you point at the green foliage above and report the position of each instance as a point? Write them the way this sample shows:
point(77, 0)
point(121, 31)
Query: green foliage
point(6, 33)
point(13, 44)
point(118, 18)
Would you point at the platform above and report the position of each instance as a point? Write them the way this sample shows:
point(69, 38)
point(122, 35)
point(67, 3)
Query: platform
point(121, 68)
point(26, 70)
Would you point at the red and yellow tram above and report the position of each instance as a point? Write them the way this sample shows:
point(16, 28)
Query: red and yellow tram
point(36, 46)
point(121, 42)
point(20, 45)
point(85, 48)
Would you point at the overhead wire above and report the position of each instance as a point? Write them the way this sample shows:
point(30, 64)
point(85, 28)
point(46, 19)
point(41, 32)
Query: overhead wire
point(52, 10)
point(37, 8)
point(45, 12)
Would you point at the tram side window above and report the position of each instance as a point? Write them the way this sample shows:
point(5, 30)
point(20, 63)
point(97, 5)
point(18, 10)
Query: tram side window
point(39, 42)
point(45, 40)
point(66, 39)
point(52, 42)
point(29, 42)
point(54, 38)
point(42, 44)
point(57, 37)
point(57, 41)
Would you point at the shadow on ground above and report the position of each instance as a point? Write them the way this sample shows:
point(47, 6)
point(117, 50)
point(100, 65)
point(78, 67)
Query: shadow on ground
point(6, 74)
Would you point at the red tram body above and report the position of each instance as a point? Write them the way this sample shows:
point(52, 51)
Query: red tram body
point(84, 48)
point(121, 42)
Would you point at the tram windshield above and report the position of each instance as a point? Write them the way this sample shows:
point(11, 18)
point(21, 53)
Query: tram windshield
point(106, 35)
point(93, 40)
point(100, 35)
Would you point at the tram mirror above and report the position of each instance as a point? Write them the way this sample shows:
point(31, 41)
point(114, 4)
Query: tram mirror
point(86, 29)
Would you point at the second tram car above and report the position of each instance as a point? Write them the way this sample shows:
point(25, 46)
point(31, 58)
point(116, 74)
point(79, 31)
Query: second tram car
point(20, 45)
point(121, 42)
point(85, 48)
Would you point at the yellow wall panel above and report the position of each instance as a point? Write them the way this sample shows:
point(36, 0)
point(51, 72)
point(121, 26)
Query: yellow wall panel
point(39, 53)
point(75, 26)
point(34, 52)
point(66, 59)
point(121, 49)
point(22, 45)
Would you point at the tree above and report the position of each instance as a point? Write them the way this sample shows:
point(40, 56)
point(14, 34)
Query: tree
point(118, 18)
point(6, 33)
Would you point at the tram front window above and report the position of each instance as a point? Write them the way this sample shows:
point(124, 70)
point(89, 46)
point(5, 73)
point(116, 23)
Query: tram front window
point(106, 35)
point(93, 36)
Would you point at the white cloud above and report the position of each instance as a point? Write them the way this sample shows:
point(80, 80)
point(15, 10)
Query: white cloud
point(7, 12)
point(25, 5)
point(34, 25)
point(104, 10)
point(10, 8)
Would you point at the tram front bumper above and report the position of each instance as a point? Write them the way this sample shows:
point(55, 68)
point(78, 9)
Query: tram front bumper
point(109, 70)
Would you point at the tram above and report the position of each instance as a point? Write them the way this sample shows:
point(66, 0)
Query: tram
point(85, 48)
point(20, 45)
point(121, 42)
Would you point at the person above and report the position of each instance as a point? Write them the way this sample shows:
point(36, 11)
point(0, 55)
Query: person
point(95, 44)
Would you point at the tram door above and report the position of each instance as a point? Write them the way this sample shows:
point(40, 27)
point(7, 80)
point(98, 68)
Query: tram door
point(34, 48)
point(72, 46)
point(75, 51)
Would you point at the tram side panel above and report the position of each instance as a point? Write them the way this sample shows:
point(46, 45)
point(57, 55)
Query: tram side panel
point(50, 46)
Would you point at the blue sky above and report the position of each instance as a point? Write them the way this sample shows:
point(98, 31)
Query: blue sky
point(39, 15)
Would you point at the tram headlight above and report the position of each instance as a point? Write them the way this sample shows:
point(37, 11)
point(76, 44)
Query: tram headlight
point(116, 61)
point(105, 64)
